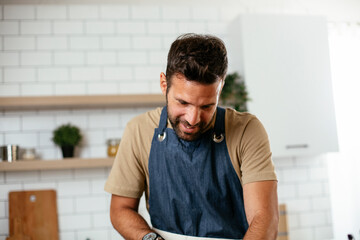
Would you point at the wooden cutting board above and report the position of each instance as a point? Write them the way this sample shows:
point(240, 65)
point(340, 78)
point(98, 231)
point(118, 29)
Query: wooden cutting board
point(33, 214)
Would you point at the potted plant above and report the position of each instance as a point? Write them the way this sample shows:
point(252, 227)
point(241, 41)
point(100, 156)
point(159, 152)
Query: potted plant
point(234, 92)
point(67, 137)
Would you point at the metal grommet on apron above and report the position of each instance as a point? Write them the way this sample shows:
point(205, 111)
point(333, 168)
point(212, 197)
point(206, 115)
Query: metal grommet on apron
point(161, 136)
point(194, 189)
point(218, 138)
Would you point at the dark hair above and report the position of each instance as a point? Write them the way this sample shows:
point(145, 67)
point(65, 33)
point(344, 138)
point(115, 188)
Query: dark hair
point(200, 58)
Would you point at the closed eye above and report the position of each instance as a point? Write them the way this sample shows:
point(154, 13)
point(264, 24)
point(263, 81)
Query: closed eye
point(182, 102)
point(205, 107)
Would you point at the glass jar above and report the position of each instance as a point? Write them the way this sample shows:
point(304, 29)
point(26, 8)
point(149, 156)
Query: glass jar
point(28, 154)
point(112, 146)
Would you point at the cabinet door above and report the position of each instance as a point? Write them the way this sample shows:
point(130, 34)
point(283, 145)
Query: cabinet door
point(286, 67)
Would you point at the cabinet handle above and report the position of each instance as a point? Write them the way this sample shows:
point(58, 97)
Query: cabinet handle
point(297, 146)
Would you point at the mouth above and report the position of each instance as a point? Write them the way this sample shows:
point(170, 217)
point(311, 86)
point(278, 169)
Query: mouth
point(188, 129)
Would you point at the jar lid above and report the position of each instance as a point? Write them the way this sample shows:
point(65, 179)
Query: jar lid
point(113, 141)
point(28, 149)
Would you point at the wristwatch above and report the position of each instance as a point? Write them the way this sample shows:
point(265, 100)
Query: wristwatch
point(152, 236)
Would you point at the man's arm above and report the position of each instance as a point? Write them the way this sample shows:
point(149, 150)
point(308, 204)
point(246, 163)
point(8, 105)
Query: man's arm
point(125, 218)
point(261, 207)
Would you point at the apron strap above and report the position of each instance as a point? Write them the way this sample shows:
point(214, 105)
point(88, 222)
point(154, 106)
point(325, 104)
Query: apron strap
point(219, 128)
point(220, 120)
point(163, 120)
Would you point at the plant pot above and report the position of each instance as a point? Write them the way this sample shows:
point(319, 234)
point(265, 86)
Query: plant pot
point(67, 151)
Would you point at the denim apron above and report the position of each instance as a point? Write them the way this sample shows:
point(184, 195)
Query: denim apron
point(194, 189)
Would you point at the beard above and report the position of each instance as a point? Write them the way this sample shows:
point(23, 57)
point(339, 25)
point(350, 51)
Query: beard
point(176, 121)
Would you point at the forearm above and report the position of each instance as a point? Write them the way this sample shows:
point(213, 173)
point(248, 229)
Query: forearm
point(130, 224)
point(261, 207)
point(125, 218)
point(263, 226)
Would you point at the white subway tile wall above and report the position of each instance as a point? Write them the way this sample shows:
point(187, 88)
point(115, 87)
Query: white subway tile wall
point(21, 75)
point(51, 12)
point(303, 187)
point(9, 59)
point(19, 12)
point(9, 27)
point(19, 43)
point(51, 43)
point(2, 210)
point(67, 49)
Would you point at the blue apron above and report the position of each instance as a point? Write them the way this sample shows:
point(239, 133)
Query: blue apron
point(194, 189)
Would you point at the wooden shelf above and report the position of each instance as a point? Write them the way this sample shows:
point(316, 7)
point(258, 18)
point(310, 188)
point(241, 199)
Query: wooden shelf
point(66, 163)
point(81, 102)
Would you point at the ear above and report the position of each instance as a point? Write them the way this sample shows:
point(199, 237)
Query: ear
point(221, 86)
point(163, 83)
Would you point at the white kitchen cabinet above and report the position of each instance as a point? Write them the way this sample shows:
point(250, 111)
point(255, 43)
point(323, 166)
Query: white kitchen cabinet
point(285, 63)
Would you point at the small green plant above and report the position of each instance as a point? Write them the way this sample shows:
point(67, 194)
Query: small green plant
point(67, 135)
point(234, 92)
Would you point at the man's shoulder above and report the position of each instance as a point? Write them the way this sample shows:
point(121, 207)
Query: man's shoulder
point(234, 118)
point(239, 123)
point(149, 119)
point(243, 126)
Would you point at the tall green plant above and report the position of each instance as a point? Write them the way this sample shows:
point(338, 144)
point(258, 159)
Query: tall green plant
point(234, 92)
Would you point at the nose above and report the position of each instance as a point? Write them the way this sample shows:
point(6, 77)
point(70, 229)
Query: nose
point(193, 116)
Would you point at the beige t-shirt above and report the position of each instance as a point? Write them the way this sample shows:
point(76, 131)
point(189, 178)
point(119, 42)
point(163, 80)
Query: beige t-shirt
point(246, 140)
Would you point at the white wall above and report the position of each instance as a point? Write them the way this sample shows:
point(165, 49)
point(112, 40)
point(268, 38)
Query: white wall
point(121, 48)
point(344, 167)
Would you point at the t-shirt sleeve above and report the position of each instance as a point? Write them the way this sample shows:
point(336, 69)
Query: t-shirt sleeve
point(256, 162)
point(127, 177)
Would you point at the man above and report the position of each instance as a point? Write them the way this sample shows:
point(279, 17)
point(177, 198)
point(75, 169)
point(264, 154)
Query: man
point(206, 171)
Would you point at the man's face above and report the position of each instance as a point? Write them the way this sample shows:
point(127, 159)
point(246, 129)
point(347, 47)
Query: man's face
point(190, 105)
